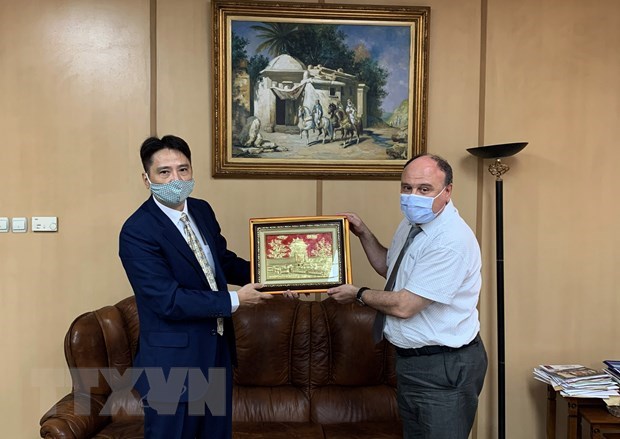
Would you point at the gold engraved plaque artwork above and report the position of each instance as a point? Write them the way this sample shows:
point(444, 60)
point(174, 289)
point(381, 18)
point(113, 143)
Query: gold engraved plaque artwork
point(302, 254)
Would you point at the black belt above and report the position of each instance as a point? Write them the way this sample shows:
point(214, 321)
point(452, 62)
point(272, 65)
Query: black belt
point(432, 350)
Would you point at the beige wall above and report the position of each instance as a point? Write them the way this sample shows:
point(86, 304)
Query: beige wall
point(552, 79)
point(75, 81)
point(74, 89)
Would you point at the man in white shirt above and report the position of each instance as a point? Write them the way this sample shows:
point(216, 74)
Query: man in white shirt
point(429, 303)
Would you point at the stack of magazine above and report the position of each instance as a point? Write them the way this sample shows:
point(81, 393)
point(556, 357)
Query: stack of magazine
point(578, 381)
point(613, 369)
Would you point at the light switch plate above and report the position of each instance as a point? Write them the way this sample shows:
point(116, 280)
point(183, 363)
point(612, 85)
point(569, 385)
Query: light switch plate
point(19, 224)
point(44, 224)
point(4, 224)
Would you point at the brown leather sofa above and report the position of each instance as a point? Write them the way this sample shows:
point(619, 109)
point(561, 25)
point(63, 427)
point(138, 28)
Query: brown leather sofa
point(306, 369)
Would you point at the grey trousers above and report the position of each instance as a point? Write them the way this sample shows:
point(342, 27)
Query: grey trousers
point(438, 394)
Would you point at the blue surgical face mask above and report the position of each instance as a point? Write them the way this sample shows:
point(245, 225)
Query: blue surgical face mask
point(172, 193)
point(418, 209)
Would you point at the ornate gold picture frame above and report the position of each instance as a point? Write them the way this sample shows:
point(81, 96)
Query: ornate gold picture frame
point(318, 90)
point(302, 254)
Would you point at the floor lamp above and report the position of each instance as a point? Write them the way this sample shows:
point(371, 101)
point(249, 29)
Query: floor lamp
point(497, 169)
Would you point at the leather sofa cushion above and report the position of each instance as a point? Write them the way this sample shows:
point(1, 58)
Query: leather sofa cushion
point(270, 404)
point(122, 430)
point(276, 430)
point(363, 430)
point(339, 404)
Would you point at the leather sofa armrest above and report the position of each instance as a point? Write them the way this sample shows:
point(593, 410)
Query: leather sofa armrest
point(75, 416)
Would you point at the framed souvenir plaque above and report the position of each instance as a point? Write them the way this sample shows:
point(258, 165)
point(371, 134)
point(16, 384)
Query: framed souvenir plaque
point(301, 254)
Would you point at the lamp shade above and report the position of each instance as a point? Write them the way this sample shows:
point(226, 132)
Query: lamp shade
point(497, 151)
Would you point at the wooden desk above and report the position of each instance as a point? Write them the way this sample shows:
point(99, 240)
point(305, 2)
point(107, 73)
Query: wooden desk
point(573, 427)
point(599, 420)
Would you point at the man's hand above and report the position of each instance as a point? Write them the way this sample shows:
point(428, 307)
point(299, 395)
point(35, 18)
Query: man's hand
point(375, 251)
point(249, 295)
point(344, 293)
point(293, 294)
point(356, 225)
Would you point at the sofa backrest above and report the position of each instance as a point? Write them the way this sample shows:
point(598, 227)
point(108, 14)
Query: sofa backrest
point(105, 338)
point(101, 340)
point(352, 378)
point(271, 381)
point(303, 361)
point(298, 361)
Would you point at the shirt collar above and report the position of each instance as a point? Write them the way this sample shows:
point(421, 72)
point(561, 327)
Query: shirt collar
point(173, 214)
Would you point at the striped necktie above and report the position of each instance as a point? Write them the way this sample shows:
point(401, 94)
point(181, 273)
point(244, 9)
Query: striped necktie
point(191, 239)
point(377, 329)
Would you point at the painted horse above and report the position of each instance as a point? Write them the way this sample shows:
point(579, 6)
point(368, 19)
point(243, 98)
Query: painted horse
point(306, 122)
point(340, 121)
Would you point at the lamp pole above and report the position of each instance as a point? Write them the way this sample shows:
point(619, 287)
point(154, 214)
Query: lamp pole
point(497, 169)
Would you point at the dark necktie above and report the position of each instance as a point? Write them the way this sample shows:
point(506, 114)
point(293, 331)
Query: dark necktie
point(377, 329)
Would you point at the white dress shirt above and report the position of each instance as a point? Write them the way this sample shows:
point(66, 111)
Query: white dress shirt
point(442, 264)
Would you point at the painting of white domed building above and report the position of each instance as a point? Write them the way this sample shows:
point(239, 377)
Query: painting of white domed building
point(324, 92)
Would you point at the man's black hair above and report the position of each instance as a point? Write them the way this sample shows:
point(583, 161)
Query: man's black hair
point(153, 144)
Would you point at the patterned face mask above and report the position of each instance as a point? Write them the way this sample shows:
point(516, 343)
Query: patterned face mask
point(172, 193)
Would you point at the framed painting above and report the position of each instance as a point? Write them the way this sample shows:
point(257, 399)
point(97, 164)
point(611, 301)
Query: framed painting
point(313, 90)
point(302, 254)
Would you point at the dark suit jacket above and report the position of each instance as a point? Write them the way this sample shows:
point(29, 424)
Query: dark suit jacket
point(176, 307)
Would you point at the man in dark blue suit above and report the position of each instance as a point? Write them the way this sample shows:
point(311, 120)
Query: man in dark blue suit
point(179, 267)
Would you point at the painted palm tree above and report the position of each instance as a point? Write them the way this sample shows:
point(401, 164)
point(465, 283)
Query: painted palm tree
point(276, 36)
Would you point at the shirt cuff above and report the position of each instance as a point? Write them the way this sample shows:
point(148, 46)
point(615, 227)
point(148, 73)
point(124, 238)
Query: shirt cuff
point(234, 301)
